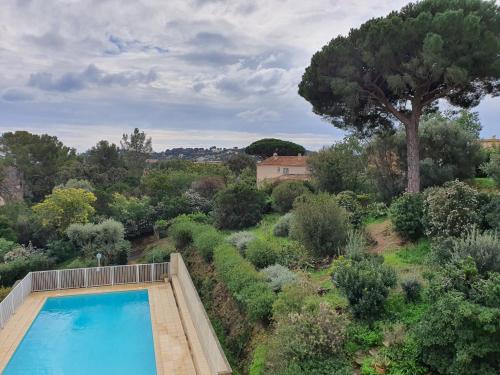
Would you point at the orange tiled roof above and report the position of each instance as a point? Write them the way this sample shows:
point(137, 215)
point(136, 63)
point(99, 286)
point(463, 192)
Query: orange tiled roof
point(286, 161)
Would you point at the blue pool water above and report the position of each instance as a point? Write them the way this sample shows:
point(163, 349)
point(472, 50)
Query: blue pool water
point(92, 334)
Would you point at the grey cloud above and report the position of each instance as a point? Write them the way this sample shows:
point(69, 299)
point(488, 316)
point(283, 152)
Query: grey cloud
point(121, 45)
point(211, 39)
point(90, 77)
point(16, 95)
point(51, 39)
point(245, 82)
point(211, 58)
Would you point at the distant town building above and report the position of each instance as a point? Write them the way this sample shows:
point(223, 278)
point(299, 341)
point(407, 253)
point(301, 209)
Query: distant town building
point(490, 142)
point(281, 168)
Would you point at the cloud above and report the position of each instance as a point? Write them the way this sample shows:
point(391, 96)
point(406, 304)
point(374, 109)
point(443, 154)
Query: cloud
point(120, 45)
point(90, 77)
point(259, 115)
point(17, 95)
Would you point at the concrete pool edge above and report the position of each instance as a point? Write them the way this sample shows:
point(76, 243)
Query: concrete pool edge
point(172, 352)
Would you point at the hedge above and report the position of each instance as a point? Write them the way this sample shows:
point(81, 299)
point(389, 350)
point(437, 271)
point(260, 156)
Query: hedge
point(246, 285)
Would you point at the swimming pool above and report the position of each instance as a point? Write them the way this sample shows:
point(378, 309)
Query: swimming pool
point(107, 333)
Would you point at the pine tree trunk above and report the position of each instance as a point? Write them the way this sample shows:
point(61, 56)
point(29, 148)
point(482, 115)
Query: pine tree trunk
point(413, 156)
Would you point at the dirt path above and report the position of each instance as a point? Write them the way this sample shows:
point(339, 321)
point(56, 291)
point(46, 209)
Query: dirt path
point(384, 236)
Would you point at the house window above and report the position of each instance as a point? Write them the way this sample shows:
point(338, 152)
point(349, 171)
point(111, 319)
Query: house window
point(285, 171)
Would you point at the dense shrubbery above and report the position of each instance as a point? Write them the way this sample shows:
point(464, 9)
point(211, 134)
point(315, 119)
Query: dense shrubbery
point(491, 213)
point(261, 253)
point(320, 224)
point(239, 206)
point(366, 284)
point(277, 276)
point(406, 214)
point(246, 285)
point(492, 168)
point(282, 227)
point(349, 201)
point(136, 214)
point(12, 271)
point(285, 193)
point(241, 240)
point(451, 210)
point(411, 289)
point(181, 232)
point(206, 240)
point(160, 253)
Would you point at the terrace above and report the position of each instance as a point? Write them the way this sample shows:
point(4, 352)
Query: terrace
point(184, 340)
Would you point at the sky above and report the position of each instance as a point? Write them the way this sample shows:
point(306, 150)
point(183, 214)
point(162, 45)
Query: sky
point(190, 73)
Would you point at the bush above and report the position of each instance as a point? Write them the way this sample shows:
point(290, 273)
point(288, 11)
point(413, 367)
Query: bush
point(491, 214)
point(406, 213)
point(161, 228)
point(61, 249)
point(451, 210)
point(313, 335)
point(320, 224)
point(349, 201)
point(241, 240)
point(4, 292)
point(181, 232)
point(261, 253)
point(277, 276)
point(206, 241)
point(5, 247)
point(159, 254)
point(492, 168)
point(282, 227)
point(366, 285)
point(292, 297)
point(239, 206)
point(293, 254)
point(285, 193)
point(411, 289)
point(246, 285)
point(12, 271)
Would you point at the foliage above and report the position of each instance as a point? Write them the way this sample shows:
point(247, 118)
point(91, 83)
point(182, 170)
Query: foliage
point(4, 292)
point(492, 167)
point(292, 297)
point(161, 228)
point(61, 249)
point(366, 284)
point(6, 230)
point(12, 271)
point(64, 207)
point(349, 201)
point(136, 214)
point(268, 146)
point(356, 245)
point(491, 213)
point(282, 227)
point(450, 210)
point(208, 186)
point(410, 56)
point(241, 240)
point(196, 202)
point(258, 359)
point(20, 252)
point(104, 165)
point(237, 163)
point(340, 167)
point(245, 284)
point(158, 254)
point(320, 224)
point(406, 213)
point(136, 148)
point(284, 194)
point(314, 334)
point(181, 232)
point(261, 253)
point(238, 206)
point(40, 159)
point(411, 289)
point(206, 240)
point(277, 276)
point(465, 311)
point(161, 184)
point(78, 184)
point(106, 238)
point(5, 247)
point(363, 337)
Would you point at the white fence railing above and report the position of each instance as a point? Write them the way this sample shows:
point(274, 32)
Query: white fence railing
point(79, 278)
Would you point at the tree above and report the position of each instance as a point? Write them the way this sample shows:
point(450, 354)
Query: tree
point(268, 146)
point(492, 168)
point(104, 165)
point(340, 167)
point(64, 207)
point(39, 158)
point(396, 67)
point(136, 214)
point(284, 194)
point(237, 163)
point(137, 148)
point(238, 206)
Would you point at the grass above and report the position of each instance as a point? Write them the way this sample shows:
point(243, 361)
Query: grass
point(374, 220)
point(258, 360)
point(414, 253)
point(485, 184)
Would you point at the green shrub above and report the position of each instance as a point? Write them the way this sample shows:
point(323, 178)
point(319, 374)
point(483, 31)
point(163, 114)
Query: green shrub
point(277, 276)
point(492, 168)
point(356, 245)
point(159, 254)
point(239, 206)
point(366, 284)
point(258, 360)
point(181, 232)
point(261, 253)
point(161, 228)
point(285, 193)
point(363, 337)
point(246, 285)
point(451, 210)
point(206, 240)
point(491, 213)
point(292, 298)
point(5, 247)
point(241, 240)
point(282, 227)
point(61, 249)
point(4, 292)
point(12, 271)
point(293, 254)
point(406, 213)
point(349, 201)
point(411, 289)
point(313, 335)
point(320, 224)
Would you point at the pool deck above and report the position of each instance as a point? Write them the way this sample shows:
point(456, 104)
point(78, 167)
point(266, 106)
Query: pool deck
point(173, 353)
